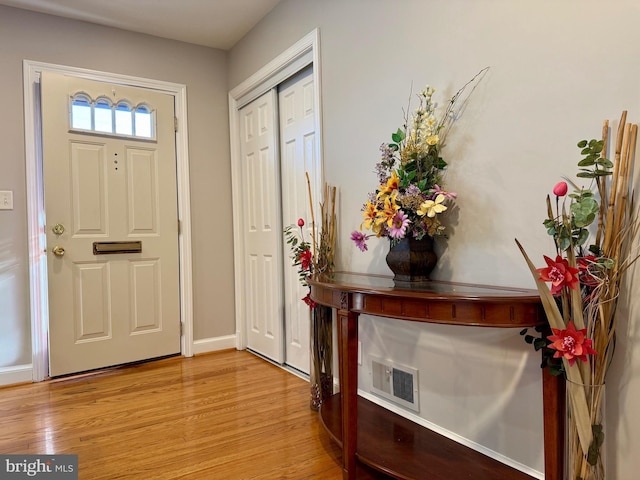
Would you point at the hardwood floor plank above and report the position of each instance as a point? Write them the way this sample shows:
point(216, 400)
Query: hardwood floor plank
point(226, 415)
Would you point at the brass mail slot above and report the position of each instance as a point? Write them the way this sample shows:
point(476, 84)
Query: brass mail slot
point(107, 248)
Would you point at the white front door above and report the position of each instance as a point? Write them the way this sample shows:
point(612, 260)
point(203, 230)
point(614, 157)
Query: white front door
point(298, 156)
point(109, 308)
point(262, 227)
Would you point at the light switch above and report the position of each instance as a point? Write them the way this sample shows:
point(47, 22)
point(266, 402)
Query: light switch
point(6, 200)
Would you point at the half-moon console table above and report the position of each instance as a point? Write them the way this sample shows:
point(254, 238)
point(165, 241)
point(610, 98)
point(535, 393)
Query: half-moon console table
point(377, 443)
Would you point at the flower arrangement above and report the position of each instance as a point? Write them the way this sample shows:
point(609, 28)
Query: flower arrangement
point(411, 196)
point(585, 283)
point(315, 257)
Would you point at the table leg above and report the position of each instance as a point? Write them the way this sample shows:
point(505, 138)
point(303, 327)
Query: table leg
point(348, 363)
point(553, 399)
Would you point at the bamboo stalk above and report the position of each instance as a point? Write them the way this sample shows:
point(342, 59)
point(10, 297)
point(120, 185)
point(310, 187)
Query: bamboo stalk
point(610, 208)
point(602, 184)
point(313, 221)
point(621, 193)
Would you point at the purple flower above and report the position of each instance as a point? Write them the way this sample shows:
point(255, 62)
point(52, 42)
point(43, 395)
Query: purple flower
point(399, 224)
point(387, 153)
point(413, 190)
point(360, 240)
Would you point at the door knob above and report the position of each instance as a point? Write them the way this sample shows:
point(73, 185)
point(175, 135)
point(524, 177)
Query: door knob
point(58, 251)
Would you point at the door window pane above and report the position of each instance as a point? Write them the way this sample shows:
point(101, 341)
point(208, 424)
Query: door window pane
point(103, 116)
point(143, 122)
point(124, 119)
point(81, 113)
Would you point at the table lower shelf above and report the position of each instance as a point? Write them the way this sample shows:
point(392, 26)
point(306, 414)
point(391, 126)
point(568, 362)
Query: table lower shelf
point(405, 450)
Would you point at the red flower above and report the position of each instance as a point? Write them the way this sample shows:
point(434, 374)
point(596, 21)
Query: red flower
point(586, 265)
point(305, 259)
point(309, 301)
point(571, 344)
point(559, 273)
point(300, 222)
point(560, 190)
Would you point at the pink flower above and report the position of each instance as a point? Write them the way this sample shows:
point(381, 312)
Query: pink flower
point(559, 273)
point(399, 224)
point(437, 190)
point(360, 240)
point(560, 190)
point(300, 222)
point(571, 344)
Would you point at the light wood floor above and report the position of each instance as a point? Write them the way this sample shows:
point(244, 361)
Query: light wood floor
point(225, 415)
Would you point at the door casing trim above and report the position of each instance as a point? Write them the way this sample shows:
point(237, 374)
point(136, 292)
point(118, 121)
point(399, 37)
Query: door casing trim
point(303, 53)
point(35, 203)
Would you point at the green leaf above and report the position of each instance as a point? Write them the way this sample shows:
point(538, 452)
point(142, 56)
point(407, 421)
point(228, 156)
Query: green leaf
point(582, 143)
point(595, 250)
point(586, 174)
point(605, 163)
point(539, 344)
point(582, 237)
point(586, 162)
point(584, 211)
point(398, 136)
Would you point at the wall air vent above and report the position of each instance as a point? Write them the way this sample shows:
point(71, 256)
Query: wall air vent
point(394, 382)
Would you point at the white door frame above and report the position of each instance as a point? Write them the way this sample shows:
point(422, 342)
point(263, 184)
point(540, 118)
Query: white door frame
point(305, 52)
point(36, 213)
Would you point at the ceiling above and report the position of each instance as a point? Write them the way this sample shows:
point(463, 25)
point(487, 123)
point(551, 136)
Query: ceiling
point(212, 23)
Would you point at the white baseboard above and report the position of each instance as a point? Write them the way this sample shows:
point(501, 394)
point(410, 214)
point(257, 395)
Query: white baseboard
point(449, 434)
point(16, 374)
point(24, 373)
point(214, 344)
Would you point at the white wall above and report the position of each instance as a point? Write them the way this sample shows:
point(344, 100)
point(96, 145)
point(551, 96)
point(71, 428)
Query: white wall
point(44, 38)
point(558, 69)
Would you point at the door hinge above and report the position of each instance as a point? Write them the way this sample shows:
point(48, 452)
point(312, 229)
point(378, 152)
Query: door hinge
point(181, 328)
point(179, 227)
point(175, 124)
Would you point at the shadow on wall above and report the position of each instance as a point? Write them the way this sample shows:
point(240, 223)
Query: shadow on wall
point(12, 337)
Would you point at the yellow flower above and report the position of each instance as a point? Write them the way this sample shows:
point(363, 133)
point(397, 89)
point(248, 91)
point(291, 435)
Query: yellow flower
point(432, 140)
point(432, 207)
point(370, 213)
point(391, 186)
point(388, 211)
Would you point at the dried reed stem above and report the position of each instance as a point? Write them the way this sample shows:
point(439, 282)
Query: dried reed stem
point(313, 220)
point(610, 210)
point(602, 183)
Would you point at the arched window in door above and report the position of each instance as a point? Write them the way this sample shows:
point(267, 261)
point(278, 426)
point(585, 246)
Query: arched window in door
point(102, 116)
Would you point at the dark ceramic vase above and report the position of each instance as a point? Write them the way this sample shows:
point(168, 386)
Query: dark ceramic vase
point(411, 260)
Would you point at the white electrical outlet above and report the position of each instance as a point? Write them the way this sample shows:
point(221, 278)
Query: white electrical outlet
point(6, 200)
